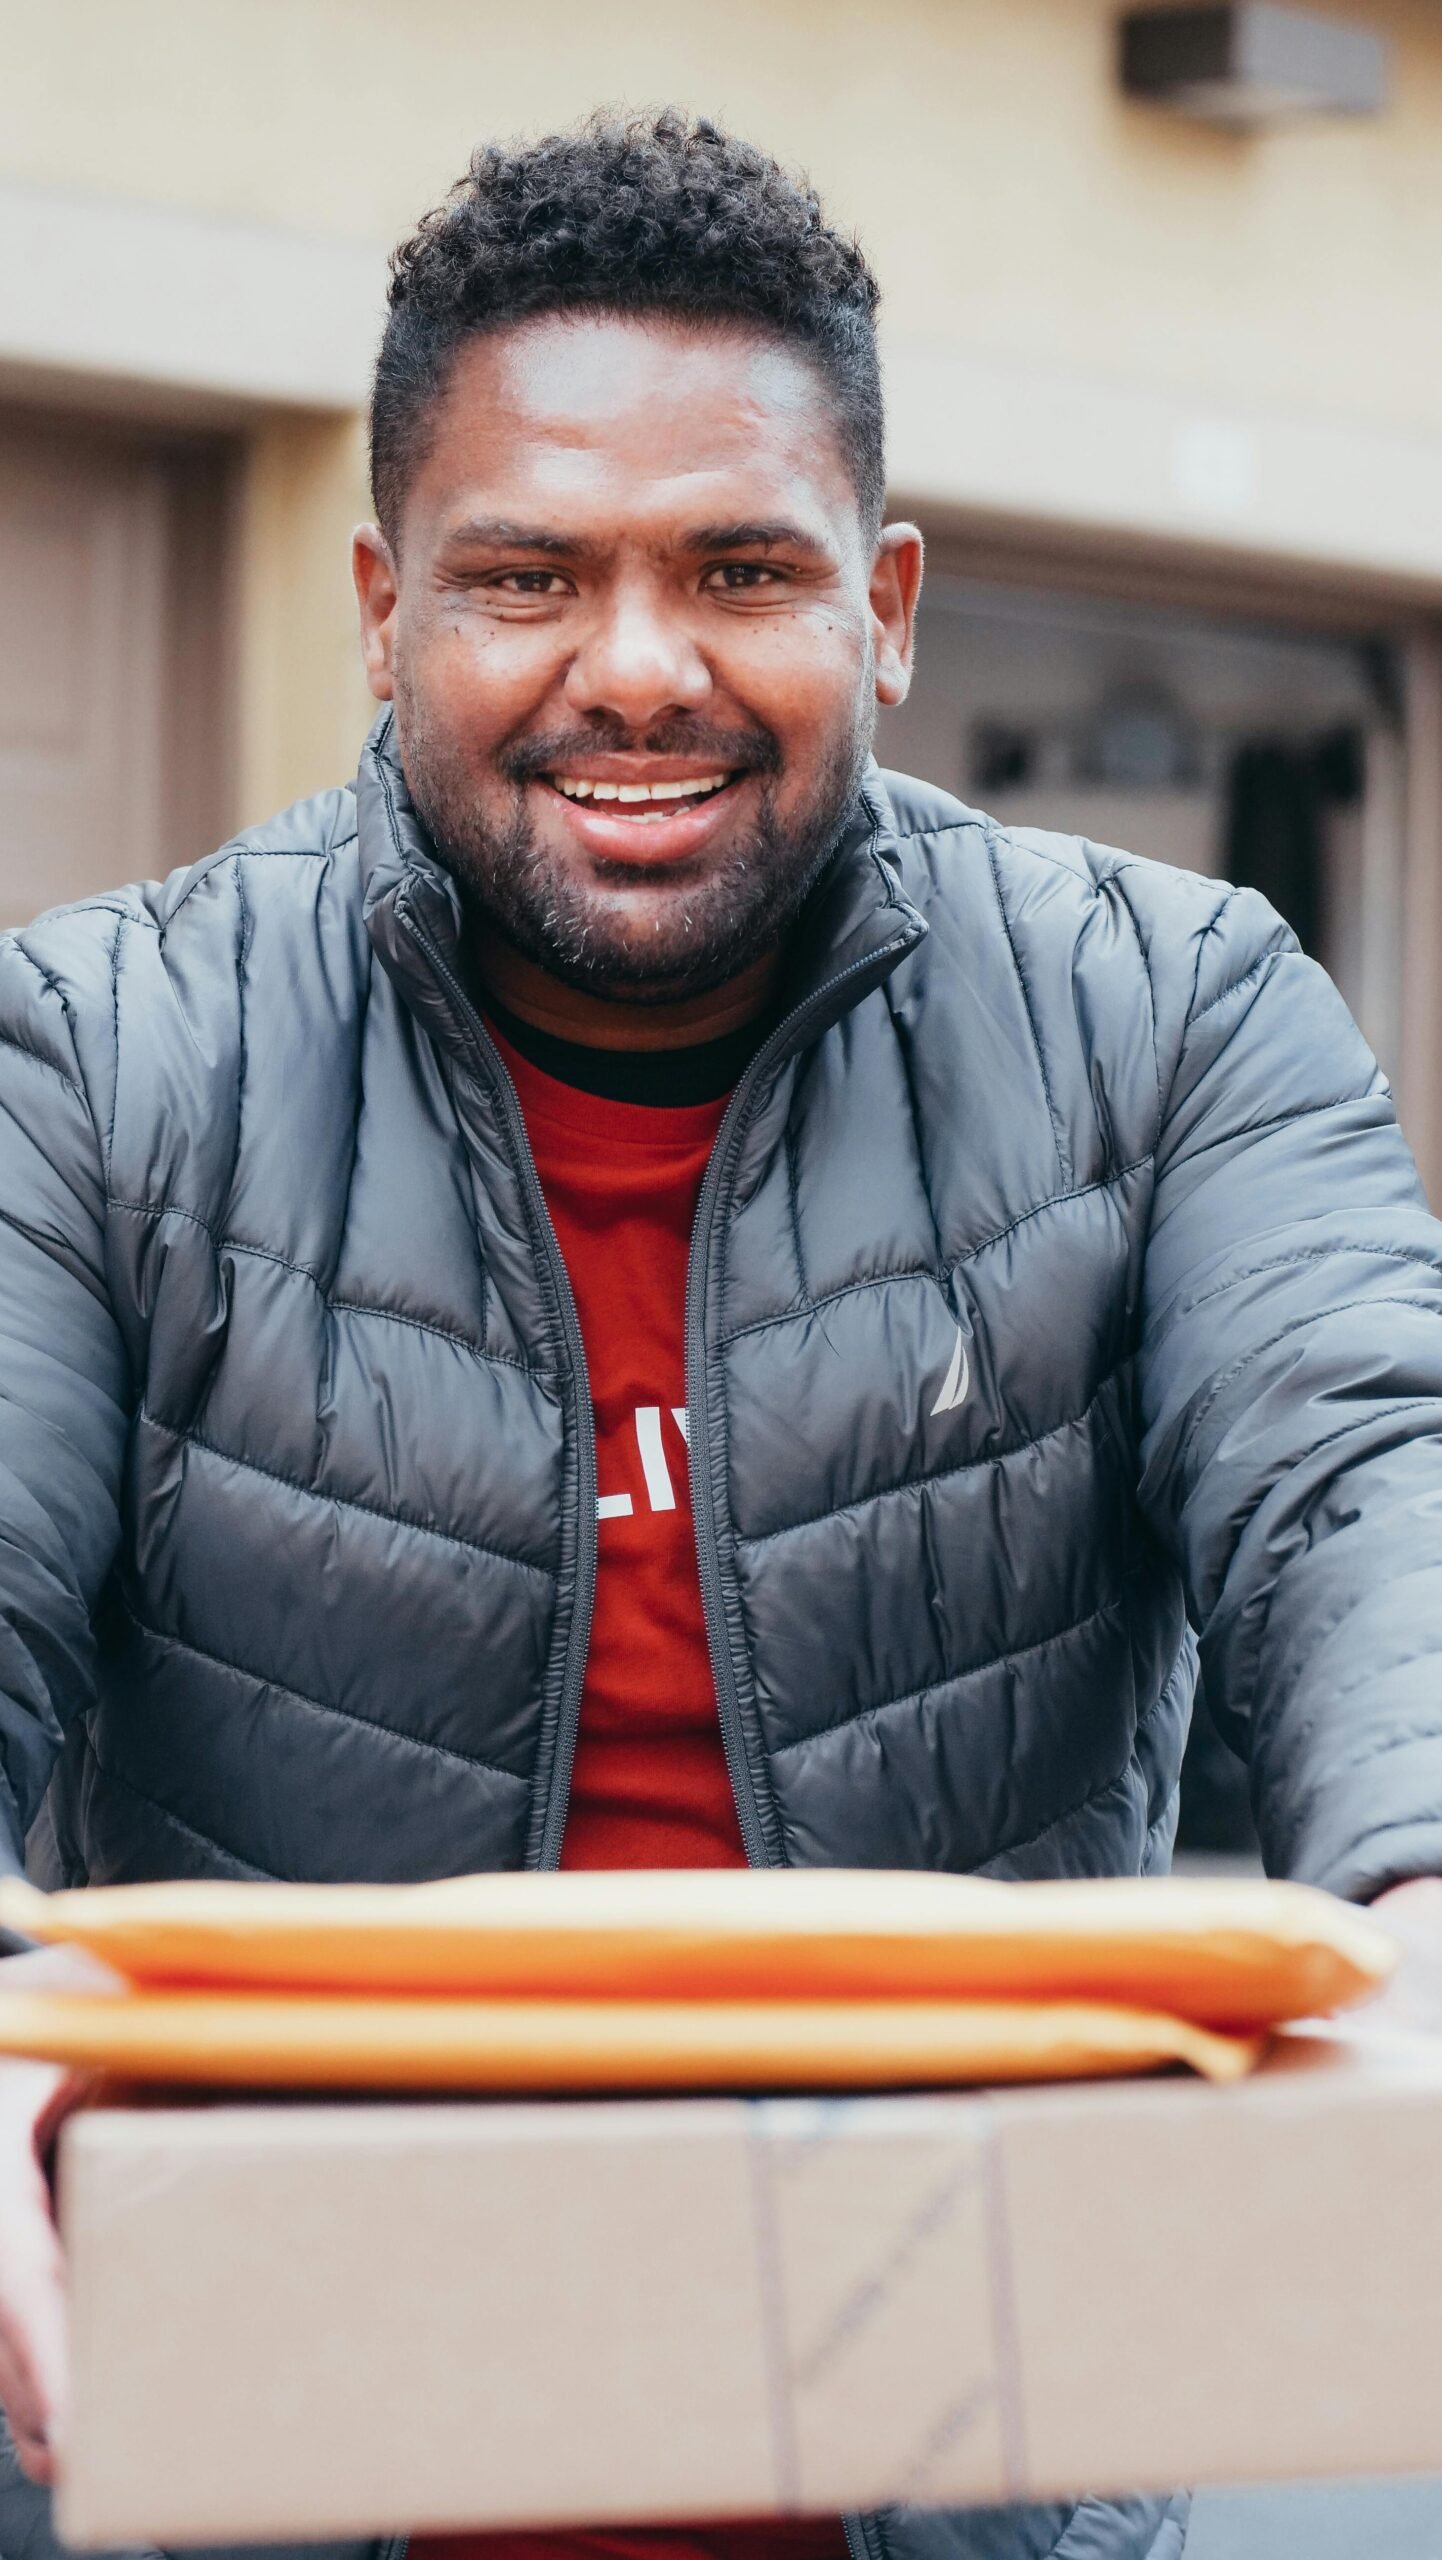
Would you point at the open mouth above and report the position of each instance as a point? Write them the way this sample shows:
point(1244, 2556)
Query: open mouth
point(640, 801)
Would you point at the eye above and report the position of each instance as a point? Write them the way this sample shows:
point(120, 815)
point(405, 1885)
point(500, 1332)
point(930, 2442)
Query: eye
point(532, 582)
point(735, 577)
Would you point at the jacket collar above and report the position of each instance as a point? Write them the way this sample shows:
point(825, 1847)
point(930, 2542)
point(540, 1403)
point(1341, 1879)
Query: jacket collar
point(857, 924)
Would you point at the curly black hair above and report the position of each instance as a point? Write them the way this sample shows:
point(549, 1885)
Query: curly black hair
point(636, 213)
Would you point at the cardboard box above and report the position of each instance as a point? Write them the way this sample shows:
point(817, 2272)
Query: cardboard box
point(328, 2319)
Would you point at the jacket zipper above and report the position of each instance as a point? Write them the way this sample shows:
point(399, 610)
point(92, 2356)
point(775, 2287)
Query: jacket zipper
point(728, 1705)
point(579, 1637)
point(859, 2542)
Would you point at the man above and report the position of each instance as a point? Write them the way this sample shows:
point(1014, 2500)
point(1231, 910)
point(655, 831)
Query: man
point(633, 1293)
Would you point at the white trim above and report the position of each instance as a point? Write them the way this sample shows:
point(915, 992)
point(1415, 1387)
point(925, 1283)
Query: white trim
point(1052, 451)
point(95, 286)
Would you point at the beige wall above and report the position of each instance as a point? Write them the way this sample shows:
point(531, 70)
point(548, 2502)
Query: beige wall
point(1006, 193)
point(302, 706)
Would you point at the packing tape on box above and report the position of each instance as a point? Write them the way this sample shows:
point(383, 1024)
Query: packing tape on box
point(906, 2309)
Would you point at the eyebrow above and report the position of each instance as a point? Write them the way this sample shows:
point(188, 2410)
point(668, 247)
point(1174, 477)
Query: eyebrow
point(772, 536)
point(499, 533)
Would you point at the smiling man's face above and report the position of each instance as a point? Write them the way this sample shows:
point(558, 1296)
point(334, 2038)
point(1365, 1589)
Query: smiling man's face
point(636, 636)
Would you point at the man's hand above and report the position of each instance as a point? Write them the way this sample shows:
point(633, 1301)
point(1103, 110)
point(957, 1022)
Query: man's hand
point(1413, 1915)
point(34, 2098)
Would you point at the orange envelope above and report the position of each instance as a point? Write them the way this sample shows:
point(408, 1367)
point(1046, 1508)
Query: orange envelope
point(1235, 1956)
point(551, 2047)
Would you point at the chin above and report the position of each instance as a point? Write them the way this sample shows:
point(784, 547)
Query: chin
point(631, 976)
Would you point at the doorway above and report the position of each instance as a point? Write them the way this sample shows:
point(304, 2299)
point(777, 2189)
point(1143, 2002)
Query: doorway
point(1256, 752)
point(114, 745)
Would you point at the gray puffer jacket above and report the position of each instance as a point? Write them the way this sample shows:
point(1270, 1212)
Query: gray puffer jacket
point(1060, 1284)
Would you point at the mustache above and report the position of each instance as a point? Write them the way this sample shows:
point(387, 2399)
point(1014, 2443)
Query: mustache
point(753, 750)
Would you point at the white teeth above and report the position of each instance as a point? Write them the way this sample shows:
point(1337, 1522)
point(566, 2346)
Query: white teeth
point(634, 794)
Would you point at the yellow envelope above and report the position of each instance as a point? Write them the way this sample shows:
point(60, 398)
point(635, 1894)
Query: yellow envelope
point(550, 2047)
point(1236, 1956)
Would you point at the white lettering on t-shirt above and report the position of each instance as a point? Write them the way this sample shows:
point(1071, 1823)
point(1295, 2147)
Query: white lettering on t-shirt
point(660, 1491)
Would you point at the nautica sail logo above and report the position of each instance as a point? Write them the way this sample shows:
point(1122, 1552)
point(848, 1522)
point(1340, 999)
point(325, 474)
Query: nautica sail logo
point(957, 1379)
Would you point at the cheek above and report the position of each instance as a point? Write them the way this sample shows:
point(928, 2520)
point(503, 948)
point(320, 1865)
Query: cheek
point(803, 676)
point(477, 680)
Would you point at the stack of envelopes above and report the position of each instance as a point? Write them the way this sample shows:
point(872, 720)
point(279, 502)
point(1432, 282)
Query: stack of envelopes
point(790, 1979)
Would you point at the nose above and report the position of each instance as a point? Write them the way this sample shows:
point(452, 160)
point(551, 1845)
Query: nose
point(638, 662)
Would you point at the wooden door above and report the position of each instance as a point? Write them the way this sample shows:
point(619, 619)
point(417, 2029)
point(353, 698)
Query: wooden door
point(112, 657)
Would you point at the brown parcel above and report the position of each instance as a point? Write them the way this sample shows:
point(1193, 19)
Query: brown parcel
point(312, 2320)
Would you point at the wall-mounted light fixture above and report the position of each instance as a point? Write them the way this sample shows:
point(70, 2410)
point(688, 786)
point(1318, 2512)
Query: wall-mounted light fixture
point(1251, 63)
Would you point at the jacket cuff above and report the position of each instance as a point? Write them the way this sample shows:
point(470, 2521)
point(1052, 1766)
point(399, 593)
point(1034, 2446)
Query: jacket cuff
point(1357, 1849)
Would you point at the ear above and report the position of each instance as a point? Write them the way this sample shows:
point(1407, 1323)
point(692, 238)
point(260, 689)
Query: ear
point(377, 590)
point(895, 586)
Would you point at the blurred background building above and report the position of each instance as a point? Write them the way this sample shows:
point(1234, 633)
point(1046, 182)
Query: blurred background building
point(1165, 388)
point(1165, 392)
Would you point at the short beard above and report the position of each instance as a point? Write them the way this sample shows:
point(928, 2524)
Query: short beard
point(713, 929)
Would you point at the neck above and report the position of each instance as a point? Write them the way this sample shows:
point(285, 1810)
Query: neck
point(567, 1013)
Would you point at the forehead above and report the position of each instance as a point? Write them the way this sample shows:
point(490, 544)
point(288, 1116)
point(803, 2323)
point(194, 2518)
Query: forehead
point(598, 423)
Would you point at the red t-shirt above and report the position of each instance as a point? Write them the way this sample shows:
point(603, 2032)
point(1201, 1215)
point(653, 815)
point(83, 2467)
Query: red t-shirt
point(650, 1787)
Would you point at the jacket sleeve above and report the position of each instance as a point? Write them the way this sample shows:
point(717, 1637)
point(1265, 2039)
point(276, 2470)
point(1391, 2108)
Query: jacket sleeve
point(1290, 1387)
point(64, 1389)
